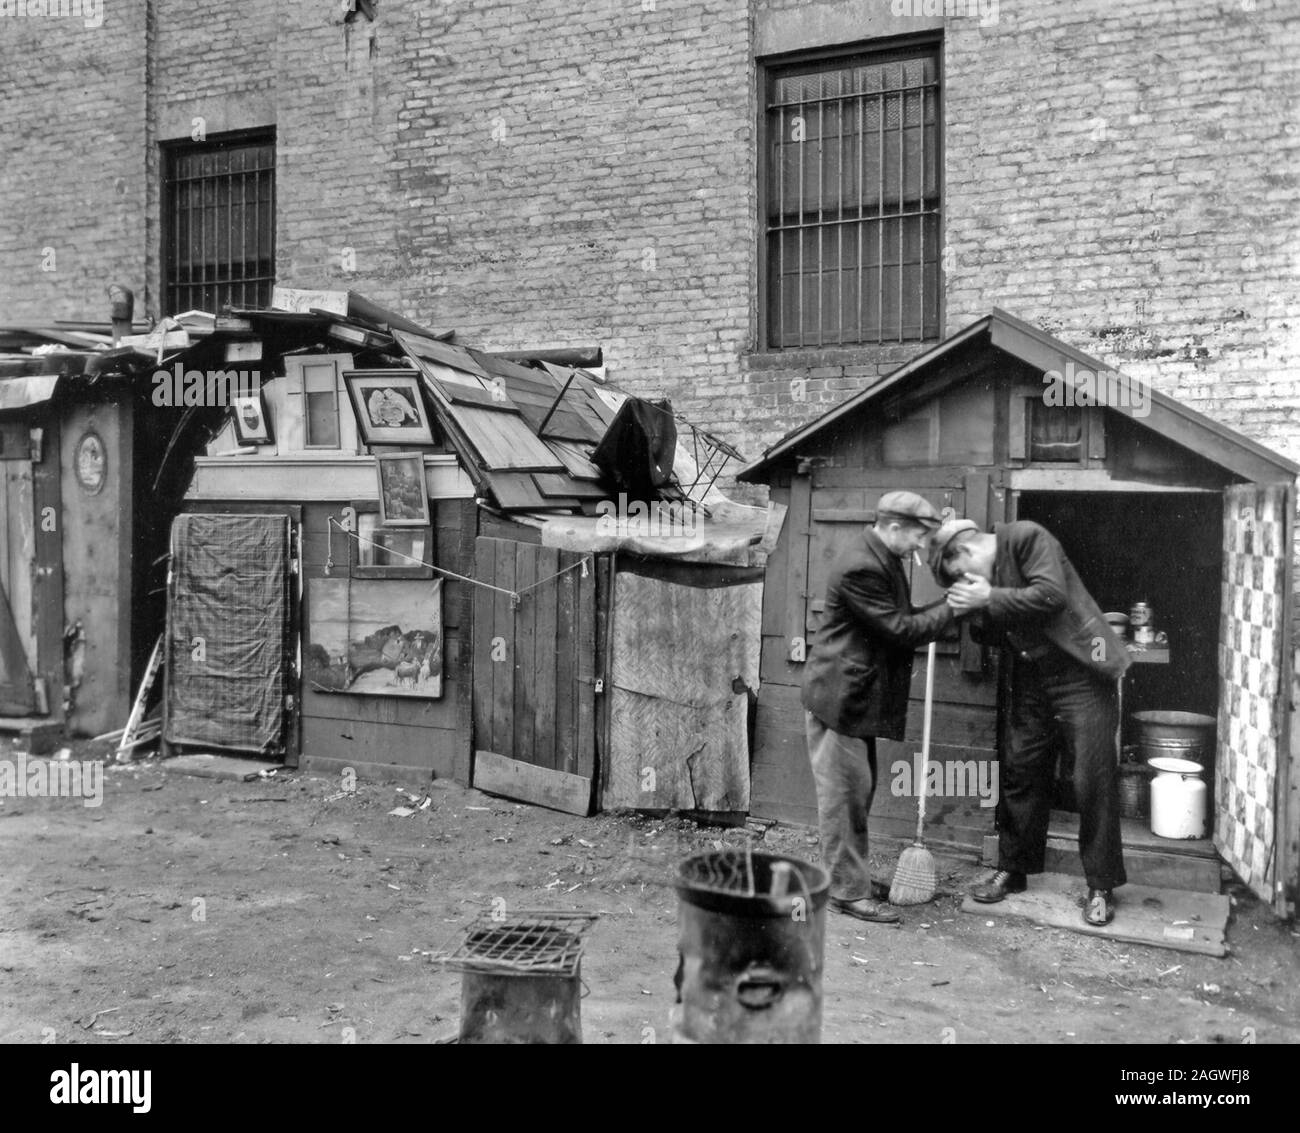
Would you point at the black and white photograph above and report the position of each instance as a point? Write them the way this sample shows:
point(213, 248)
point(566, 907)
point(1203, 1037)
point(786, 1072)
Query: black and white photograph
point(742, 522)
point(389, 408)
point(403, 497)
point(248, 415)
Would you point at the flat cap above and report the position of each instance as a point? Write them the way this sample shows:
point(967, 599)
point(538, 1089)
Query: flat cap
point(909, 506)
point(939, 543)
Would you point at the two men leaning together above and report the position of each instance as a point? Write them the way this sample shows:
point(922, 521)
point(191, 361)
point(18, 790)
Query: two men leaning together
point(1018, 591)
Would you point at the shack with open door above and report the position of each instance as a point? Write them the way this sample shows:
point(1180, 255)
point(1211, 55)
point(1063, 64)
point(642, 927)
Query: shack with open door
point(1153, 503)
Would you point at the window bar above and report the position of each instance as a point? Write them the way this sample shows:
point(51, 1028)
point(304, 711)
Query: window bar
point(902, 173)
point(178, 202)
point(921, 197)
point(821, 218)
point(802, 173)
point(243, 232)
point(880, 221)
point(839, 228)
point(204, 185)
point(230, 235)
point(257, 238)
point(861, 300)
point(782, 263)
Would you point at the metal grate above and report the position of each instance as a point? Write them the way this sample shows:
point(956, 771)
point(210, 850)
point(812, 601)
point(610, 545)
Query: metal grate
point(852, 200)
point(534, 943)
point(721, 871)
point(219, 225)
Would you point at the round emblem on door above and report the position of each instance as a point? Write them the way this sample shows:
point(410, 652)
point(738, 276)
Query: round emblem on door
point(92, 463)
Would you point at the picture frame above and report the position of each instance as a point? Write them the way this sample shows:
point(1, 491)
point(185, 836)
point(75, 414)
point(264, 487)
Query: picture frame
point(389, 407)
point(249, 419)
point(403, 495)
point(386, 552)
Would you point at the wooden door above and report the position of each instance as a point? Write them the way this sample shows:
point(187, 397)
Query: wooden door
point(535, 674)
point(1257, 539)
point(31, 587)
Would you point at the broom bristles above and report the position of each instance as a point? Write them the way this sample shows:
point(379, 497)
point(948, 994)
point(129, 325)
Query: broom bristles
point(914, 877)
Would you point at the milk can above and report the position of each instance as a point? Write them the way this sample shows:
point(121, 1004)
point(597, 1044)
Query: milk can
point(1178, 798)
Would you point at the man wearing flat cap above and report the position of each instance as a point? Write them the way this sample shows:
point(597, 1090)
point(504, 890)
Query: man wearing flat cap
point(856, 685)
point(1021, 592)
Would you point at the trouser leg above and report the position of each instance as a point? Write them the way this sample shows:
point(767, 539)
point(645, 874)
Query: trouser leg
point(1088, 709)
point(1026, 776)
point(844, 769)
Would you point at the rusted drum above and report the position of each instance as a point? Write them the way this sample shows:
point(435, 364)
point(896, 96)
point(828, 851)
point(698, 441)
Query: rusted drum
point(1176, 735)
point(522, 1007)
point(752, 929)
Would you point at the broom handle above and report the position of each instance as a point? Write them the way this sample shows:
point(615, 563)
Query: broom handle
point(925, 738)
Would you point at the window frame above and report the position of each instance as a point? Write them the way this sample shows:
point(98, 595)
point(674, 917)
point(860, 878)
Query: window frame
point(169, 152)
point(767, 70)
point(357, 569)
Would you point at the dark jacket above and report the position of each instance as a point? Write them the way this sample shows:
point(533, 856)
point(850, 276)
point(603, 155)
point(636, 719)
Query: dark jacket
point(1038, 597)
point(859, 671)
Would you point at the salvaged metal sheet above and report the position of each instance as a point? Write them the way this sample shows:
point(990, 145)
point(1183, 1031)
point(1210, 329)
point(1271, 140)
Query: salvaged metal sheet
point(683, 658)
point(1250, 658)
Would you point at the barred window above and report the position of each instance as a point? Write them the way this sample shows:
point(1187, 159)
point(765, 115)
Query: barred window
point(852, 200)
point(219, 224)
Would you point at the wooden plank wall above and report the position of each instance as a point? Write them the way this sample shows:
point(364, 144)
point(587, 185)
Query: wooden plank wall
point(405, 737)
point(834, 498)
point(534, 665)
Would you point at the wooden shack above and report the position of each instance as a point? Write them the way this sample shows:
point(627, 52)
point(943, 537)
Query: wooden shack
point(501, 641)
point(1152, 501)
point(81, 532)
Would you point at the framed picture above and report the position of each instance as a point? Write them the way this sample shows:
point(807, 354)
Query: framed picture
point(374, 638)
point(248, 415)
point(403, 500)
point(389, 552)
point(389, 407)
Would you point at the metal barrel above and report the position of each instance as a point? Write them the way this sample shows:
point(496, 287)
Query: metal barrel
point(503, 1007)
point(1182, 735)
point(751, 960)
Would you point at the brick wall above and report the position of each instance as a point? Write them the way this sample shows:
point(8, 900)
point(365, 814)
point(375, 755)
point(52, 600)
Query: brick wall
point(72, 178)
point(545, 174)
point(1128, 177)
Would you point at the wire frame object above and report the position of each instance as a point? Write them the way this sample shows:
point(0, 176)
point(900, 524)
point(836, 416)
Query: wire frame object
point(531, 944)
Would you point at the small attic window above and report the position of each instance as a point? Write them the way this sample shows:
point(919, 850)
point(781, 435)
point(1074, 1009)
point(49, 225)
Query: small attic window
point(1055, 433)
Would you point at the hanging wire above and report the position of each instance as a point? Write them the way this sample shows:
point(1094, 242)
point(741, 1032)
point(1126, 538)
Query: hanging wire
point(514, 595)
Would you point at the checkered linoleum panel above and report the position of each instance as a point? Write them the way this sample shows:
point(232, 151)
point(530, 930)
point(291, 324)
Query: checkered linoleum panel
point(1250, 654)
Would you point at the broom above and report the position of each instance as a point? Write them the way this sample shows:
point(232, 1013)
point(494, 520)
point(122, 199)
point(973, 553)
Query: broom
point(914, 876)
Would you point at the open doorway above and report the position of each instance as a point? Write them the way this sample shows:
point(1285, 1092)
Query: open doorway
point(1162, 548)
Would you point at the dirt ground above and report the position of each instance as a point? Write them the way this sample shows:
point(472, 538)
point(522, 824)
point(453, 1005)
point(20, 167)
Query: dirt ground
point(192, 910)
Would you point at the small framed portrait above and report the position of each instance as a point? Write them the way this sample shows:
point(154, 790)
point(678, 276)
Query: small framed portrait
point(403, 499)
point(389, 407)
point(248, 415)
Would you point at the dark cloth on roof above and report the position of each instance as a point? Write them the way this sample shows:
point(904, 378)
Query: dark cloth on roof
point(636, 452)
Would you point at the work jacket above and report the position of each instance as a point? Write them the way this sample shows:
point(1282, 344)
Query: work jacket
point(858, 674)
point(1038, 600)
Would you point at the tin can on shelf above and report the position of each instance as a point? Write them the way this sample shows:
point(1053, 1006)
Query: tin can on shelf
point(1141, 614)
